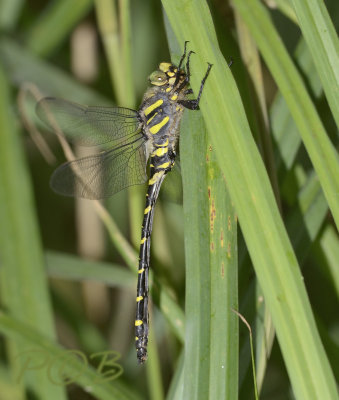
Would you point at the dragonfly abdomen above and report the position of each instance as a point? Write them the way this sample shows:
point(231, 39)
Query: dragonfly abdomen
point(162, 160)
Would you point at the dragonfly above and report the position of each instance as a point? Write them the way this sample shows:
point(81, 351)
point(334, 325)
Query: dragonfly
point(134, 139)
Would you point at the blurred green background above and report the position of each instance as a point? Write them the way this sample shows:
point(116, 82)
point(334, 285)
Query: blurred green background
point(68, 268)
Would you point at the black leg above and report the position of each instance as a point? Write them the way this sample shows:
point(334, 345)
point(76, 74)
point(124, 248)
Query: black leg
point(184, 55)
point(194, 104)
point(188, 73)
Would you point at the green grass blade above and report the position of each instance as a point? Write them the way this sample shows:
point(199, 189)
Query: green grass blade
point(116, 39)
point(214, 323)
point(329, 244)
point(264, 338)
point(107, 17)
point(317, 143)
point(224, 284)
point(55, 24)
point(9, 13)
point(304, 220)
point(24, 289)
point(264, 328)
point(271, 252)
point(284, 129)
point(126, 45)
point(251, 58)
point(176, 389)
point(7, 390)
point(21, 66)
point(322, 41)
point(303, 223)
point(285, 7)
point(197, 255)
point(67, 266)
point(211, 341)
point(153, 371)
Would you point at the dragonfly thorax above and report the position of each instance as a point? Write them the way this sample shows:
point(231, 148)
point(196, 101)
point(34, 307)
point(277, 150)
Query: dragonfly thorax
point(161, 109)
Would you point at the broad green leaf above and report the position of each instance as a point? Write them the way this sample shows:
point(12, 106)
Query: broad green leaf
point(198, 277)
point(224, 340)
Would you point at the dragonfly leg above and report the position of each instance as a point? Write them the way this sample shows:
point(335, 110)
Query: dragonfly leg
point(194, 104)
point(184, 55)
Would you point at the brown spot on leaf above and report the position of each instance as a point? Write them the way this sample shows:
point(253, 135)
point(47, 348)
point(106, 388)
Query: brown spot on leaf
point(212, 215)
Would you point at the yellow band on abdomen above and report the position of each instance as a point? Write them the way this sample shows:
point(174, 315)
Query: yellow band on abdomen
point(159, 152)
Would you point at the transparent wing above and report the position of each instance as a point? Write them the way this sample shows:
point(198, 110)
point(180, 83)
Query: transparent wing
point(87, 125)
point(104, 174)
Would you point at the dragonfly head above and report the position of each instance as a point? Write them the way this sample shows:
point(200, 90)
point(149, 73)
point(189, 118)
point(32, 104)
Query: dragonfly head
point(167, 76)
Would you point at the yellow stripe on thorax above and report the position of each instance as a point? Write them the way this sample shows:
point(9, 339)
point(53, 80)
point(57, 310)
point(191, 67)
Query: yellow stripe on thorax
point(156, 128)
point(138, 322)
point(149, 120)
point(153, 106)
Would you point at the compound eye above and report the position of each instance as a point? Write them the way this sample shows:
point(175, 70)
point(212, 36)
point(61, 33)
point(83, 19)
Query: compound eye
point(158, 78)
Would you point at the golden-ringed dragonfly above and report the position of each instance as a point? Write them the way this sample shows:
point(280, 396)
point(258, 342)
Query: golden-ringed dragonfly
point(134, 137)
